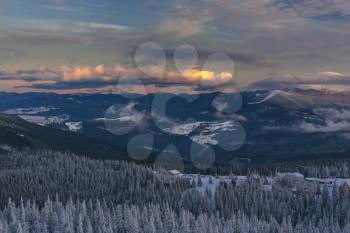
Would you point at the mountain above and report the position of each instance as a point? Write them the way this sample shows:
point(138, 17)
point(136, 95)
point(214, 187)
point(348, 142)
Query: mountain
point(253, 126)
point(297, 124)
point(18, 133)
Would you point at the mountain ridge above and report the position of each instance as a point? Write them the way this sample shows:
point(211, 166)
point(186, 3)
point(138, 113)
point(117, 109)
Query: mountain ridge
point(287, 124)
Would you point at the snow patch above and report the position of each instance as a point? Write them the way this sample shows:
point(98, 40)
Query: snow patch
point(45, 120)
point(271, 95)
point(184, 129)
point(28, 111)
point(74, 126)
point(203, 132)
point(6, 147)
point(205, 139)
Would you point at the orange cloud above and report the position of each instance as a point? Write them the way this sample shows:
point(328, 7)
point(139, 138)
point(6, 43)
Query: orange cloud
point(207, 75)
point(101, 76)
point(80, 73)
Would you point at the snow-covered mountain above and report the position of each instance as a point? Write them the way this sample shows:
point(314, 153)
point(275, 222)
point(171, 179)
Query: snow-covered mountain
point(263, 125)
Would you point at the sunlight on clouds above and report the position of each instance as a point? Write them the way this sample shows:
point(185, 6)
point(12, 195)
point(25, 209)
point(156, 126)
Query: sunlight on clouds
point(195, 74)
point(261, 36)
point(82, 72)
point(331, 74)
point(79, 77)
point(101, 71)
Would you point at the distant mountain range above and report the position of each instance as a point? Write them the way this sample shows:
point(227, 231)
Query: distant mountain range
point(253, 126)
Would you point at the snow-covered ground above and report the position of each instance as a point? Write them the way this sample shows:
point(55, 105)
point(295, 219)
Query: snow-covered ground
point(33, 115)
point(184, 129)
point(207, 131)
point(271, 95)
point(29, 111)
point(74, 126)
point(6, 147)
point(45, 120)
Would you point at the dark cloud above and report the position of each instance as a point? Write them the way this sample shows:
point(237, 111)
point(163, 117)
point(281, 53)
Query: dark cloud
point(154, 54)
point(322, 80)
point(25, 78)
point(101, 83)
point(71, 85)
point(245, 59)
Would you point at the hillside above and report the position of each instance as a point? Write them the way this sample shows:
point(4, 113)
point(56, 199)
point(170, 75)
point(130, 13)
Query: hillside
point(254, 126)
point(18, 133)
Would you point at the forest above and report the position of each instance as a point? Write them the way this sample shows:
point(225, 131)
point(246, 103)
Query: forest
point(45, 191)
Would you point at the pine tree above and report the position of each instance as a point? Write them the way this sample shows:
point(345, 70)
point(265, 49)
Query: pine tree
point(199, 181)
point(210, 180)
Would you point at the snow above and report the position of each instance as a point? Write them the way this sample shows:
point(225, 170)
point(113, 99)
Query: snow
point(127, 113)
point(219, 180)
point(187, 128)
point(45, 120)
point(241, 179)
point(158, 150)
point(30, 115)
point(216, 182)
point(74, 126)
point(271, 95)
point(208, 130)
point(222, 126)
point(294, 174)
point(205, 139)
point(28, 111)
point(121, 119)
point(330, 181)
point(6, 147)
point(184, 129)
point(175, 173)
point(205, 182)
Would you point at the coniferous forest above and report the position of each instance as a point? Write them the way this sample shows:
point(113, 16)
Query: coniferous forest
point(51, 192)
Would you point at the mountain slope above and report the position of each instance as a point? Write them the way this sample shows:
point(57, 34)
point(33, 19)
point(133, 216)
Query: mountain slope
point(16, 132)
point(278, 124)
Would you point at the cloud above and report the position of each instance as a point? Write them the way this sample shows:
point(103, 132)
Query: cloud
point(96, 27)
point(256, 34)
point(184, 21)
point(247, 59)
point(329, 127)
point(333, 114)
point(334, 120)
point(331, 80)
point(322, 10)
point(81, 77)
point(180, 28)
point(153, 55)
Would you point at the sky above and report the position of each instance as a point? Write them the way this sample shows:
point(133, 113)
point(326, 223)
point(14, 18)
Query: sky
point(182, 45)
